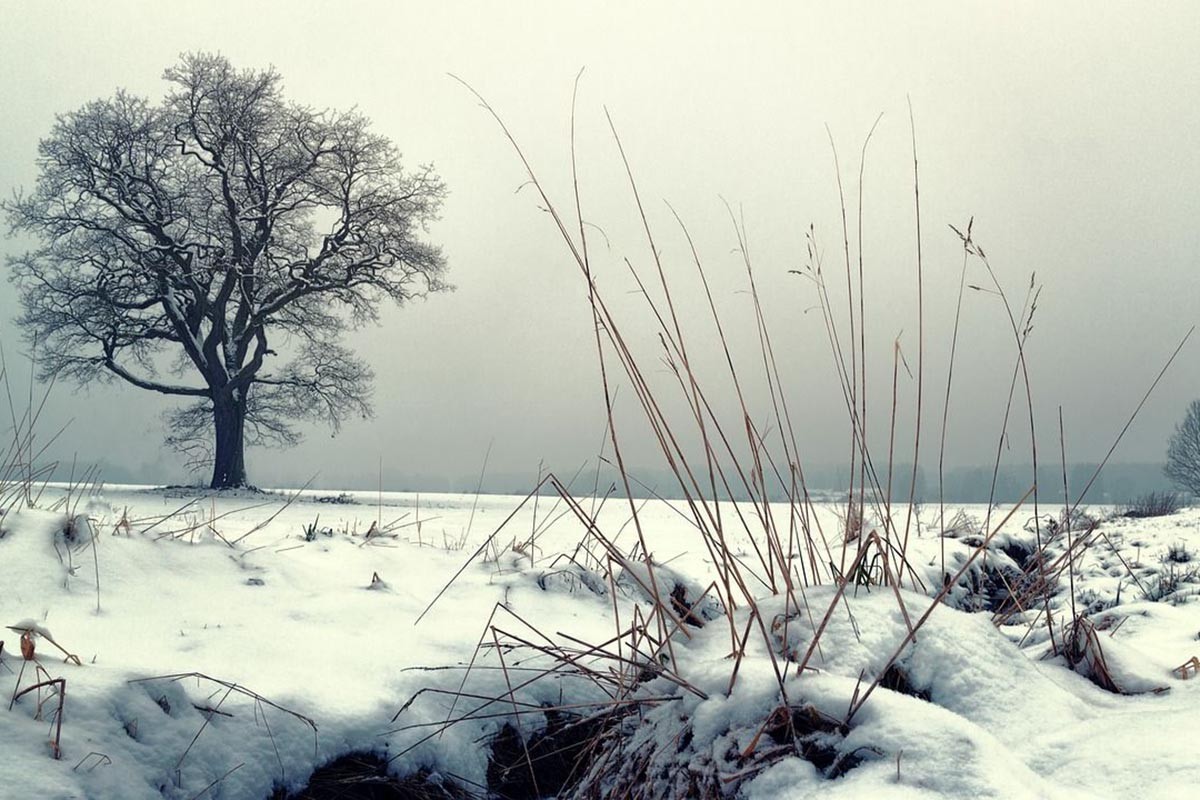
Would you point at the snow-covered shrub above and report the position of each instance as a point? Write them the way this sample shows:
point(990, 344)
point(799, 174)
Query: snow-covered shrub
point(1152, 504)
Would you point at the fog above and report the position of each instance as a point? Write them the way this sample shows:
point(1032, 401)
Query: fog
point(1067, 133)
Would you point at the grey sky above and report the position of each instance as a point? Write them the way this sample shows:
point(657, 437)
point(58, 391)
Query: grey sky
point(1069, 132)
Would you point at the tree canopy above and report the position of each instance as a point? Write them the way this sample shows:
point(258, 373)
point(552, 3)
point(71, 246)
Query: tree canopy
point(215, 246)
point(1183, 451)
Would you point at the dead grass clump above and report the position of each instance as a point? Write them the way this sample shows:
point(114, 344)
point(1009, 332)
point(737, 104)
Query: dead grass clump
point(364, 776)
point(961, 526)
point(340, 499)
point(1152, 504)
point(1179, 554)
point(636, 762)
point(742, 486)
point(541, 765)
point(1085, 654)
point(1091, 602)
point(656, 755)
point(313, 529)
point(1175, 583)
point(804, 731)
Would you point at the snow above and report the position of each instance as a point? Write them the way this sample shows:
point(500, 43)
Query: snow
point(274, 629)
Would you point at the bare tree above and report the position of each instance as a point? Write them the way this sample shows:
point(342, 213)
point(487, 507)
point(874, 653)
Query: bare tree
point(215, 247)
point(1183, 452)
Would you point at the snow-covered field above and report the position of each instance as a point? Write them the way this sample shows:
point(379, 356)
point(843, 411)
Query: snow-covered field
point(225, 647)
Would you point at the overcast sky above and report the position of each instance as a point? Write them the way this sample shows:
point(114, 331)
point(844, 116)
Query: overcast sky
point(1069, 131)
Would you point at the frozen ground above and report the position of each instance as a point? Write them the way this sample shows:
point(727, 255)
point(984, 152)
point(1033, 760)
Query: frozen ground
point(282, 615)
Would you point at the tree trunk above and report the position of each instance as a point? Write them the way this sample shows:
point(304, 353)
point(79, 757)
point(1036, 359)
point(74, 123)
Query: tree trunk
point(229, 458)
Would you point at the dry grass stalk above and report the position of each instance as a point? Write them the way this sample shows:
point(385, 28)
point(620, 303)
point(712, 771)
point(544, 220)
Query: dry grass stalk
point(716, 463)
point(1188, 669)
point(60, 685)
point(260, 704)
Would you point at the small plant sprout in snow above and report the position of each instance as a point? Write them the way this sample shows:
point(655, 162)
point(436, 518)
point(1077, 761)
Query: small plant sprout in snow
point(1178, 553)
